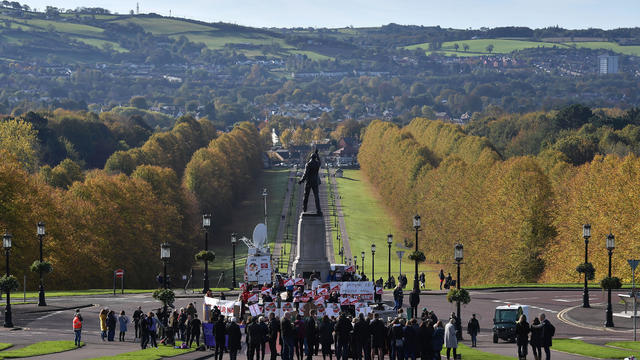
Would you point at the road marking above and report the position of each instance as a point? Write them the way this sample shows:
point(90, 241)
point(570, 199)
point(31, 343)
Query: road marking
point(562, 316)
point(576, 338)
point(49, 315)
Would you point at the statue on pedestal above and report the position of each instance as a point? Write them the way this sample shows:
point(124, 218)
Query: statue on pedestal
point(312, 178)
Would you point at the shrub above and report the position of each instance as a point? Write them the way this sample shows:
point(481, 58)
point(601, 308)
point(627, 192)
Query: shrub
point(587, 269)
point(205, 255)
point(43, 266)
point(461, 295)
point(166, 296)
point(9, 283)
point(611, 283)
point(417, 256)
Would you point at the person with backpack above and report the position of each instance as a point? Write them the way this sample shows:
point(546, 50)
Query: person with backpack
point(548, 332)
point(77, 327)
point(536, 339)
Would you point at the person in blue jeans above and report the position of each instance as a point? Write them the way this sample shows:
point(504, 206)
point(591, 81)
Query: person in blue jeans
point(396, 340)
point(398, 296)
point(77, 327)
point(153, 327)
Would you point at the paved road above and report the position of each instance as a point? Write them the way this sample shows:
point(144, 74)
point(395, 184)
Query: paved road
point(56, 324)
point(284, 215)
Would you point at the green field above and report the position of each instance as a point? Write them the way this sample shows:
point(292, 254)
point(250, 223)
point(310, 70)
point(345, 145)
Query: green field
point(475, 354)
point(40, 348)
point(160, 352)
point(582, 348)
point(99, 43)
point(59, 26)
point(478, 47)
point(164, 26)
point(368, 222)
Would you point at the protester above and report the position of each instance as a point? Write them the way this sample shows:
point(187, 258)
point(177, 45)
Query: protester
point(450, 339)
point(326, 337)
point(220, 333)
point(144, 331)
point(136, 321)
point(343, 330)
point(194, 330)
point(473, 328)
point(396, 340)
point(300, 330)
point(437, 340)
point(235, 338)
point(522, 336)
point(123, 321)
point(265, 336)
point(77, 327)
point(288, 337)
point(378, 336)
point(425, 334)
point(397, 297)
point(274, 330)
point(255, 337)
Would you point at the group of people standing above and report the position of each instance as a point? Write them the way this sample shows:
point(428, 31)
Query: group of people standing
point(538, 334)
point(109, 322)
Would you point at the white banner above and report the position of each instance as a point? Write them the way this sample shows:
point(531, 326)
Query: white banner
point(255, 310)
point(225, 306)
point(353, 287)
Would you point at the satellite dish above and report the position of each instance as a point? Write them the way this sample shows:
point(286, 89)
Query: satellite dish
point(260, 235)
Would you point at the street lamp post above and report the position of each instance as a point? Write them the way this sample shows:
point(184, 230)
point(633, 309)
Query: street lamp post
point(206, 224)
point(458, 255)
point(264, 195)
point(362, 257)
point(41, 299)
point(234, 239)
point(414, 297)
point(389, 242)
point(355, 262)
point(6, 244)
point(373, 257)
point(611, 244)
point(165, 254)
point(586, 234)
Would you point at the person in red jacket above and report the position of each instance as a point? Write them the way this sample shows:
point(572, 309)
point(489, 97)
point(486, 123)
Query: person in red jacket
point(77, 327)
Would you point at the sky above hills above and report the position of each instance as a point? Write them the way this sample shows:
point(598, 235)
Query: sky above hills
point(461, 14)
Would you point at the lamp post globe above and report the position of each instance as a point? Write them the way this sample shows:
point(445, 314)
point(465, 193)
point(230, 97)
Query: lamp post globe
point(41, 233)
point(611, 244)
point(6, 244)
point(458, 255)
point(389, 242)
point(586, 234)
point(165, 255)
point(414, 297)
point(206, 224)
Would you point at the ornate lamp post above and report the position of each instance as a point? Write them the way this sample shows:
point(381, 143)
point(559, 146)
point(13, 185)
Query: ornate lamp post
point(362, 257)
point(41, 232)
point(206, 223)
point(389, 242)
point(414, 297)
point(165, 255)
point(6, 244)
point(458, 255)
point(373, 257)
point(611, 244)
point(264, 195)
point(355, 262)
point(234, 240)
point(586, 234)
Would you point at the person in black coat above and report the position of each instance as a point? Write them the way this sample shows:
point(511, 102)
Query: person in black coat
point(111, 325)
point(325, 331)
point(522, 336)
point(265, 335)
point(361, 335)
point(411, 340)
point(235, 338)
point(255, 338)
point(547, 333)
point(396, 340)
point(194, 330)
point(274, 330)
point(311, 333)
point(219, 332)
point(343, 336)
point(378, 336)
point(425, 334)
point(288, 337)
point(536, 339)
point(473, 328)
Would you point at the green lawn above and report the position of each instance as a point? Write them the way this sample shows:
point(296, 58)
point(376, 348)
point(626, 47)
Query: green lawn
point(478, 47)
point(41, 348)
point(633, 345)
point(149, 353)
point(368, 222)
point(475, 354)
point(54, 293)
point(582, 348)
point(5, 346)
point(99, 43)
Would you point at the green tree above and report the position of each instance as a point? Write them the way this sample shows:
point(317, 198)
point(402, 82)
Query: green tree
point(20, 139)
point(139, 102)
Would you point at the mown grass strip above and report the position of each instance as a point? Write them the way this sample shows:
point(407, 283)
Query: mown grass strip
point(631, 345)
point(149, 353)
point(582, 348)
point(4, 346)
point(475, 354)
point(40, 348)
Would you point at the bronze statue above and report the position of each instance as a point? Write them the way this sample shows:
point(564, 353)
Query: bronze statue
point(312, 177)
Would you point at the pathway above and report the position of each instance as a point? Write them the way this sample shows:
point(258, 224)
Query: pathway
point(284, 218)
point(324, 205)
point(343, 228)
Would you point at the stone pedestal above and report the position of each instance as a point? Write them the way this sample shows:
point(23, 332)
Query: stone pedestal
point(311, 248)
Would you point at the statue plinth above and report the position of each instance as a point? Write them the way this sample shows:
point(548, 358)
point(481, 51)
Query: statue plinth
point(311, 252)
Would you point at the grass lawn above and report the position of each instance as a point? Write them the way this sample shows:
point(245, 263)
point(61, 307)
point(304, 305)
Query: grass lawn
point(627, 50)
point(368, 222)
point(582, 348)
point(54, 293)
point(5, 346)
point(150, 353)
point(474, 354)
point(41, 348)
point(633, 345)
point(99, 43)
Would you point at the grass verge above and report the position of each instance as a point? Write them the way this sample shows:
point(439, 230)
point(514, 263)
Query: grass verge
point(41, 348)
point(368, 223)
point(56, 293)
point(582, 348)
point(149, 353)
point(5, 346)
point(474, 354)
point(631, 345)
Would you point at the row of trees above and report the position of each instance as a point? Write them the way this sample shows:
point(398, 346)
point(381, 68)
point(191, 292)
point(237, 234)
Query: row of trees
point(100, 220)
point(519, 219)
